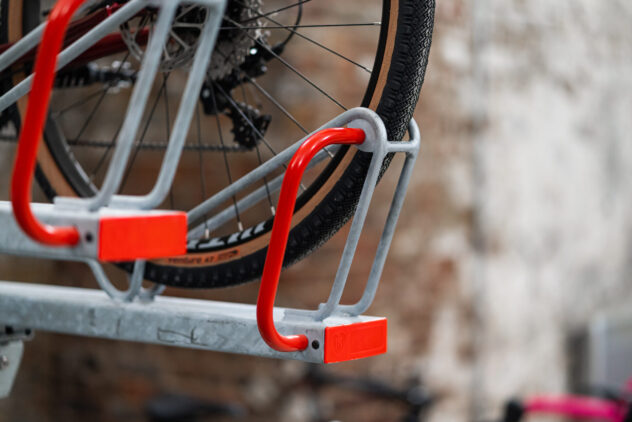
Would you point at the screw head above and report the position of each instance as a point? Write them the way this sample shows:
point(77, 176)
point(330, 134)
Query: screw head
point(4, 362)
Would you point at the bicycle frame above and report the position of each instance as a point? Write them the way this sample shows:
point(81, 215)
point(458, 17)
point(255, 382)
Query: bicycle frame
point(109, 45)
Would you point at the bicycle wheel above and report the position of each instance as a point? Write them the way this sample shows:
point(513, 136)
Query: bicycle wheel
point(389, 80)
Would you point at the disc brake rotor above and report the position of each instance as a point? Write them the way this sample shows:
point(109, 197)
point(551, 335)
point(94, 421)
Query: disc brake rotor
point(239, 31)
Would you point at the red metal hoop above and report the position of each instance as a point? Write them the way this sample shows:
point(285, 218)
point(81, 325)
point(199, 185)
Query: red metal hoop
point(24, 167)
point(281, 231)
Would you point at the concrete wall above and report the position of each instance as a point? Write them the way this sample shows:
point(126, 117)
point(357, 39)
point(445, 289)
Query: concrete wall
point(546, 171)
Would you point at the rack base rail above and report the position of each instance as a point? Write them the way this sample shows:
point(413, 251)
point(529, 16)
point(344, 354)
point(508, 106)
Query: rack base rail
point(190, 323)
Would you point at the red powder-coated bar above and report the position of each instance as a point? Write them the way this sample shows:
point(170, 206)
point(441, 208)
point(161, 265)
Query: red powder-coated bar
point(24, 167)
point(281, 231)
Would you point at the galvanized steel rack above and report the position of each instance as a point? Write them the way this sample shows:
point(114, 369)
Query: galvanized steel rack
point(111, 227)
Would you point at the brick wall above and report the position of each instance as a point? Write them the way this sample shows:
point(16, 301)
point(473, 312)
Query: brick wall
point(515, 231)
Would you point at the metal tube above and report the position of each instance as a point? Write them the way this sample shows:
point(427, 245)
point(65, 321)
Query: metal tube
point(21, 47)
point(184, 117)
point(76, 48)
point(197, 214)
point(250, 200)
point(135, 281)
point(333, 303)
point(385, 241)
point(353, 237)
point(136, 107)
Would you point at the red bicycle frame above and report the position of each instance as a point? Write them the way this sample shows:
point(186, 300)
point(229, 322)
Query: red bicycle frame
point(112, 44)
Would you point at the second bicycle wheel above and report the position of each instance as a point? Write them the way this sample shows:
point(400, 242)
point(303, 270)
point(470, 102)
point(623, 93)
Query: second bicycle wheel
point(280, 69)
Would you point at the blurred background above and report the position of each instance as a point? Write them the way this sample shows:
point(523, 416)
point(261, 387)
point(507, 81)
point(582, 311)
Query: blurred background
point(510, 263)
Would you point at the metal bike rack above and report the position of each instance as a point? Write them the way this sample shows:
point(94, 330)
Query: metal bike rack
point(332, 333)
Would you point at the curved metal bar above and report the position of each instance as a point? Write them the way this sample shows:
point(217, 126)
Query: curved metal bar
point(149, 294)
point(24, 168)
point(376, 143)
point(136, 107)
point(135, 281)
point(281, 230)
point(391, 221)
point(199, 213)
point(249, 200)
point(151, 60)
point(183, 119)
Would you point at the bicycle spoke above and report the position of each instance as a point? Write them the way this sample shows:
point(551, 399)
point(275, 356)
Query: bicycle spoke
point(276, 103)
point(279, 26)
point(265, 181)
point(278, 10)
point(288, 65)
point(240, 226)
point(202, 172)
point(145, 129)
point(79, 103)
point(293, 31)
point(141, 26)
point(91, 115)
point(185, 11)
point(283, 109)
point(251, 124)
point(179, 40)
point(246, 118)
point(99, 101)
point(106, 153)
point(256, 96)
point(265, 178)
point(104, 156)
point(87, 99)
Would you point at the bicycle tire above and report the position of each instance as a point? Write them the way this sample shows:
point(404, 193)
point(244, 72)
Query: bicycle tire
point(393, 92)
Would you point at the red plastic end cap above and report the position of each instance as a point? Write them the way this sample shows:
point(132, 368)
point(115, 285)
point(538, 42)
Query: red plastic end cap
point(126, 238)
point(355, 341)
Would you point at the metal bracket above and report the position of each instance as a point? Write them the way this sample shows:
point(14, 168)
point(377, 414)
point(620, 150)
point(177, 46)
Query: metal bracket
point(10, 359)
point(11, 349)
